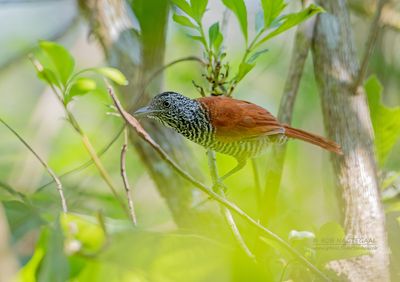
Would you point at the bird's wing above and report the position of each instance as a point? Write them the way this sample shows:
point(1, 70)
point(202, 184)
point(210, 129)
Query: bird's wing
point(237, 120)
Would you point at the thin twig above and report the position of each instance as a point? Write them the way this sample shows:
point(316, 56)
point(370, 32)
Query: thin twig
point(85, 164)
point(125, 178)
point(12, 191)
point(185, 59)
point(212, 164)
point(147, 82)
point(44, 164)
point(232, 207)
point(257, 184)
point(372, 37)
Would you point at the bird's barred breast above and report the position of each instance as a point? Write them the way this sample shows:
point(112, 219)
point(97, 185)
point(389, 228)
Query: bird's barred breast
point(244, 149)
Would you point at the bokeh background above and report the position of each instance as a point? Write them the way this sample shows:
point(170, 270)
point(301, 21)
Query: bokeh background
point(307, 198)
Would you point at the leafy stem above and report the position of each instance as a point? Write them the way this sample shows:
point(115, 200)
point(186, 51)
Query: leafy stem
point(44, 73)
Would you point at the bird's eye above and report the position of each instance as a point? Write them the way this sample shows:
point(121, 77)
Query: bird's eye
point(166, 104)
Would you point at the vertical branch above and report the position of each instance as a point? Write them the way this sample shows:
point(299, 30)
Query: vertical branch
point(125, 178)
point(375, 28)
point(300, 51)
point(347, 120)
point(257, 184)
point(217, 187)
point(44, 164)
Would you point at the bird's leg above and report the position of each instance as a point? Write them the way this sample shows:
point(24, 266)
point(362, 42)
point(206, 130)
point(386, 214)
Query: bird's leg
point(241, 163)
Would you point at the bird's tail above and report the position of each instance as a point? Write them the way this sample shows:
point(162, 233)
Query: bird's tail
point(313, 139)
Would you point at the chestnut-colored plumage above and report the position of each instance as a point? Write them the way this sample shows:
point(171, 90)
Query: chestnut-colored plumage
point(229, 126)
point(240, 120)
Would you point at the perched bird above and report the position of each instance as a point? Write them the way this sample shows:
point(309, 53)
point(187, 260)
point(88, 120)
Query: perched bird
point(226, 125)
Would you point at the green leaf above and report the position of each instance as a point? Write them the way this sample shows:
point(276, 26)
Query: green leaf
point(47, 75)
point(85, 230)
point(215, 36)
point(80, 87)
point(199, 38)
point(213, 33)
point(28, 271)
point(331, 244)
point(239, 9)
point(182, 20)
point(244, 69)
point(385, 120)
point(198, 8)
point(22, 218)
point(272, 9)
point(54, 267)
point(60, 57)
point(254, 57)
point(292, 20)
point(184, 6)
point(113, 74)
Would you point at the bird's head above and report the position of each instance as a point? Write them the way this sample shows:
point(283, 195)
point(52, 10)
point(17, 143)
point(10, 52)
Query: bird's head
point(171, 108)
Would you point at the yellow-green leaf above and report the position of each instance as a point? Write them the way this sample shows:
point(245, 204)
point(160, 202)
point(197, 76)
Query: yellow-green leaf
point(184, 6)
point(272, 9)
point(62, 60)
point(113, 74)
point(80, 87)
point(385, 120)
point(198, 8)
point(291, 20)
point(239, 9)
point(244, 69)
point(182, 20)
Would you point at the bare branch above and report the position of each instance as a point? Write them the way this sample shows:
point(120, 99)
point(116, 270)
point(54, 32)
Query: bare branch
point(125, 178)
point(232, 207)
point(160, 70)
point(375, 28)
point(44, 164)
point(87, 163)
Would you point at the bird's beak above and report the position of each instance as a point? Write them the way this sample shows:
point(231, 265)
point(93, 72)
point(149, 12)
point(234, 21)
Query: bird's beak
point(142, 112)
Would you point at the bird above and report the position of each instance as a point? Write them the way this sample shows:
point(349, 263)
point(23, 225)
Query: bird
point(226, 125)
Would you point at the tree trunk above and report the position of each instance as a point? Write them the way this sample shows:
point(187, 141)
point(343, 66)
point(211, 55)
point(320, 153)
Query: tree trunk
point(138, 54)
point(347, 120)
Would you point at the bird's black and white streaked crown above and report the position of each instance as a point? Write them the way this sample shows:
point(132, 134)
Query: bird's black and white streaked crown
point(185, 115)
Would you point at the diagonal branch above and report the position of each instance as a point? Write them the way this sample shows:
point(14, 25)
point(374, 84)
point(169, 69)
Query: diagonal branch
point(221, 200)
point(44, 164)
point(376, 27)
